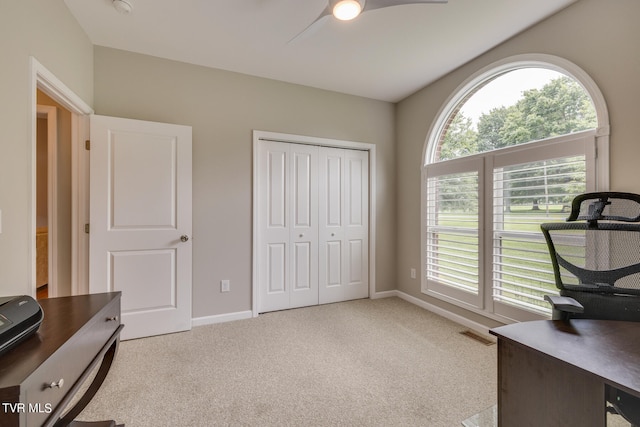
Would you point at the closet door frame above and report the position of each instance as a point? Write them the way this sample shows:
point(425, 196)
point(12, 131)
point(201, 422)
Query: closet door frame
point(261, 136)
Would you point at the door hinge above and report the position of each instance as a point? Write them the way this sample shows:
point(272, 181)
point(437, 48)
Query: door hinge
point(86, 228)
point(87, 144)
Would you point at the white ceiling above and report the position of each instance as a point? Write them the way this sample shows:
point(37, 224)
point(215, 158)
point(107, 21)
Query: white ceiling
point(384, 54)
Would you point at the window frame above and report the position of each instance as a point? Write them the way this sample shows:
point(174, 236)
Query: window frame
point(598, 180)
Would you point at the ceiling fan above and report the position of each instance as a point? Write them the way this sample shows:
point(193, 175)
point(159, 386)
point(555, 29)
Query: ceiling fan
point(346, 10)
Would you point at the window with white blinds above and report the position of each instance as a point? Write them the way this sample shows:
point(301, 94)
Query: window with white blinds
point(492, 256)
point(526, 195)
point(452, 245)
point(509, 150)
point(454, 209)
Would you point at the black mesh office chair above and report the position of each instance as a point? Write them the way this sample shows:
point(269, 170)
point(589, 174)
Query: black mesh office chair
point(596, 263)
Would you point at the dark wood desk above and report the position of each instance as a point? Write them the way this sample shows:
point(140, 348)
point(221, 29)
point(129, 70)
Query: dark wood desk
point(41, 376)
point(554, 373)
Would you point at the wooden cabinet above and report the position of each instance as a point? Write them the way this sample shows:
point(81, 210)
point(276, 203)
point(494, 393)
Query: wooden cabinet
point(41, 376)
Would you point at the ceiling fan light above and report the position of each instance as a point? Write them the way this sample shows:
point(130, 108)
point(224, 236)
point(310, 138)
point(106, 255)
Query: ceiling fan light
point(122, 6)
point(346, 10)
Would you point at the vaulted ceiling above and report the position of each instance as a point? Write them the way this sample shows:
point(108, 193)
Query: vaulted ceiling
point(384, 54)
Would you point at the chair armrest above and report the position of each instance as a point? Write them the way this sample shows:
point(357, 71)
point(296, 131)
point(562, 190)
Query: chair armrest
point(564, 304)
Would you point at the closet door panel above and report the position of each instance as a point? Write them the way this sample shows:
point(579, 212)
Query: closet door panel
point(273, 223)
point(355, 190)
point(356, 230)
point(303, 235)
point(331, 232)
point(276, 268)
point(276, 189)
point(333, 264)
point(356, 256)
point(333, 200)
point(301, 266)
point(344, 224)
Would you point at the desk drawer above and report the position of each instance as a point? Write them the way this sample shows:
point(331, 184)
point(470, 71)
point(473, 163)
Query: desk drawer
point(53, 379)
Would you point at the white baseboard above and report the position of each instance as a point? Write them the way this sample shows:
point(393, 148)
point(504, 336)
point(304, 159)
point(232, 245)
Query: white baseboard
point(384, 294)
point(221, 318)
point(461, 320)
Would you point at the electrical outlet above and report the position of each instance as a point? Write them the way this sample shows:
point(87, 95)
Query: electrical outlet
point(413, 273)
point(225, 285)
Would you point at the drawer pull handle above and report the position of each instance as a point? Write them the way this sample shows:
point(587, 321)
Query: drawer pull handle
point(57, 384)
point(112, 319)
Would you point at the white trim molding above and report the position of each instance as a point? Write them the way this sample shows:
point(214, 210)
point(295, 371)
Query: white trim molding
point(460, 320)
point(384, 294)
point(46, 81)
point(221, 318)
point(43, 79)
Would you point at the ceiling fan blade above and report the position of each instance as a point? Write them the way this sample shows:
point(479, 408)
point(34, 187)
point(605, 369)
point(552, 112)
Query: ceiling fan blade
point(379, 4)
point(315, 24)
point(368, 5)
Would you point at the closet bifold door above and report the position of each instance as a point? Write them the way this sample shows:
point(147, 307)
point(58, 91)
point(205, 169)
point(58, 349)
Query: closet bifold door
point(303, 236)
point(287, 225)
point(344, 224)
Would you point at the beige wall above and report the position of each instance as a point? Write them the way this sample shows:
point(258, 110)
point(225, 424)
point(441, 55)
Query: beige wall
point(599, 36)
point(47, 31)
point(223, 108)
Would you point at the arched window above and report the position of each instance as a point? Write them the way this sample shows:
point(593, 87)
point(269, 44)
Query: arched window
point(508, 151)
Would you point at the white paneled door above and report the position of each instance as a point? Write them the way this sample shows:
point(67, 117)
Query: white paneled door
point(140, 210)
point(344, 224)
point(312, 225)
point(288, 179)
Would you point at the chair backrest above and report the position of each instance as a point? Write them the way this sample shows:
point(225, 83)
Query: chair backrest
point(598, 249)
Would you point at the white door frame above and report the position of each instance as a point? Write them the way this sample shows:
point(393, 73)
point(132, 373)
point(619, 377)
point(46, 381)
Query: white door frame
point(41, 78)
point(259, 136)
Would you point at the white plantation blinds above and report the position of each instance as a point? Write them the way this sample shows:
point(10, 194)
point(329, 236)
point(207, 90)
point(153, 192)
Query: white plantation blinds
point(452, 252)
point(526, 195)
point(452, 229)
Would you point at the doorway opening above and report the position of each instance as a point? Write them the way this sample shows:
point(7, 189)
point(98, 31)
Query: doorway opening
point(53, 198)
point(67, 195)
point(46, 200)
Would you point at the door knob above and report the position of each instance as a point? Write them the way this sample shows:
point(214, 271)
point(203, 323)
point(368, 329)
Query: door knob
point(184, 238)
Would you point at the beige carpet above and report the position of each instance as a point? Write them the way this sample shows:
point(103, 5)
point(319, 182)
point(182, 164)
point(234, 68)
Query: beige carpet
point(361, 363)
